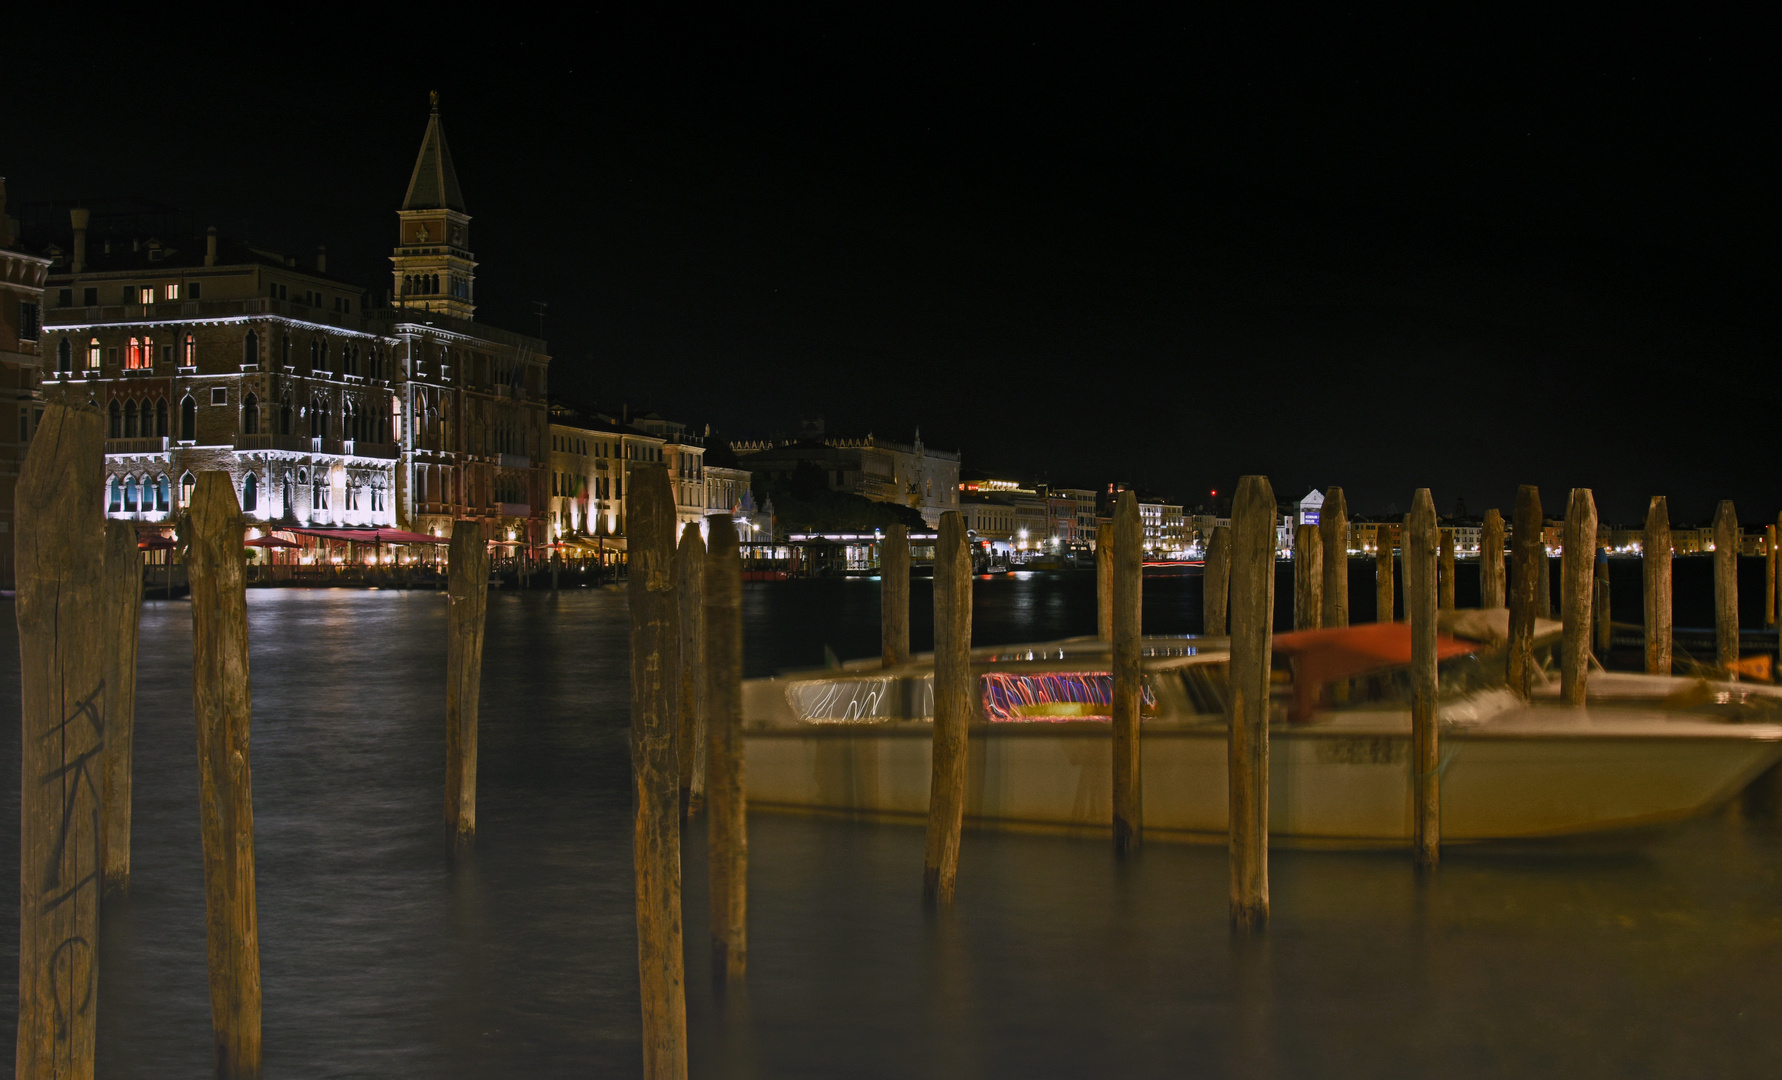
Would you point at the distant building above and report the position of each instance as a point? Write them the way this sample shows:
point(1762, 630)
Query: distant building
point(904, 474)
point(208, 354)
point(22, 279)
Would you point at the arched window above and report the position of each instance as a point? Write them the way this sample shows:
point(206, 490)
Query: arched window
point(130, 418)
point(161, 419)
point(188, 422)
point(163, 499)
point(95, 354)
point(117, 420)
point(286, 503)
point(250, 494)
point(186, 484)
point(64, 355)
point(148, 353)
point(191, 357)
point(250, 348)
point(284, 417)
point(116, 504)
point(250, 415)
point(130, 503)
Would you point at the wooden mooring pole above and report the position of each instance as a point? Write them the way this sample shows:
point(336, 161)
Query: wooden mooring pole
point(655, 770)
point(1252, 618)
point(1491, 560)
point(1333, 528)
point(1385, 541)
point(1527, 553)
point(1577, 563)
point(894, 596)
point(1769, 575)
point(1129, 792)
point(953, 706)
point(1726, 587)
point(1215, 582)
point(1600, 608)
point(1445, 589)
point(226, 807)
point(1105, 543)
point(1655, 553)
point(689, 569)
point(1421, 603)
point(1308, 577)
point(1544, 601)
point(727, 830)
point(63, 645)
point(467, 600)
point(123, 590)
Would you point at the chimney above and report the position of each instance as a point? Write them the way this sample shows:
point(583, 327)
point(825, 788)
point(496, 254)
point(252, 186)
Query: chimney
point(79, 218)
point(321, 258)
point(210, 246)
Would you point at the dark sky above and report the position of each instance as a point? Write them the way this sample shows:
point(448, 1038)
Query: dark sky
point(1381, 253)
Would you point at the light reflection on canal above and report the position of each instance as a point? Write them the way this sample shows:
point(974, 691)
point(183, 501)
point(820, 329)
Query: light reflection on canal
point(380, 959)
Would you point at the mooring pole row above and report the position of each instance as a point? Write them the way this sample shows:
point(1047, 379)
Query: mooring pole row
point(1385, 540)
point(1577, 564)
point(1726, 588)
point(1105, 545)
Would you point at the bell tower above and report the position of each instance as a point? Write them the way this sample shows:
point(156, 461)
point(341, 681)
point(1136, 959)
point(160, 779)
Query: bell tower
point(434, 268)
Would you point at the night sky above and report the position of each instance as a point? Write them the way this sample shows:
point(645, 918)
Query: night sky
point(1374, 252)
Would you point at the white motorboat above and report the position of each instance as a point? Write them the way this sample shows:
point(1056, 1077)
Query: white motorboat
point(856, 741)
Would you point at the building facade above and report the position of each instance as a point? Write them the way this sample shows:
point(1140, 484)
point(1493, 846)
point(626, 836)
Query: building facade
point(906, 474)
point(22, 279)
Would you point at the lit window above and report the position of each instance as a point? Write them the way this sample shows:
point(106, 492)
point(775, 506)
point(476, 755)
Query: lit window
point(170, 292)
point(191, 357)
point(134, 359)
point(148, 294)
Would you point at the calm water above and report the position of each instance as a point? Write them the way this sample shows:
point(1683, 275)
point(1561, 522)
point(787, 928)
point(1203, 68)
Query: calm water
point(381, 959)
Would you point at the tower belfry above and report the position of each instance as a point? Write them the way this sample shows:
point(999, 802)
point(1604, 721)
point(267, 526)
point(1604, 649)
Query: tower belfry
point(433, 266)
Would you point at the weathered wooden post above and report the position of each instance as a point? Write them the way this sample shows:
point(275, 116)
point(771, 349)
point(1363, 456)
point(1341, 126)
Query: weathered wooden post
point(953, 706)
point(689, 571)
point(1445, 591)
point(1333, 526)
point(1604, 629)
point(894, 596)
point(226, 806)
point(1129, 792)
point(1527, 553)
point(1105, 543)
point(467, 600)
point(64, 633)
point(1769, 575)
point(556, 564)
point(727, 829)
point(1308, 577)
point(1421, 543)
point(1726, 587)
point(1544, 601)
point(123, 588)
point(1383, 573)
point(1252, 619)
point(1576, 564)
point(1655, 551)
point(1215, 582)
point(1491, 560)
point(655, 770)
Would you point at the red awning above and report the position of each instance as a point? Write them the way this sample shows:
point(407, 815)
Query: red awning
point(270, 542)
point(371, 536)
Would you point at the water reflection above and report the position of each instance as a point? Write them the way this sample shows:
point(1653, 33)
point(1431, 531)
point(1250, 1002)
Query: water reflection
point(384, 958)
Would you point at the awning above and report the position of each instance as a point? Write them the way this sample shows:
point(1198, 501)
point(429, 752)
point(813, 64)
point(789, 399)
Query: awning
point(371, 536)
point(270, 542)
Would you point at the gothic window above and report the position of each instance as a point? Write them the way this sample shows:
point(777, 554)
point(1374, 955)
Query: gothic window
point(163, 501)
point(116, 503)
point(286, 485)
point(285, 351)
point(148, 353)
point(130, 420)
point(131, 504)
point(133, 359)
point(188, 422)
point(191, 357)
point(161, 418)
point(250, 494)
point(284, 417)
point(250, 348)
point(64, 356)
point(250, 415)
point(186, 484)
point(117, 420)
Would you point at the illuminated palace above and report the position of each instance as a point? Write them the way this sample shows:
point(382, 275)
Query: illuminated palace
point(325, 410)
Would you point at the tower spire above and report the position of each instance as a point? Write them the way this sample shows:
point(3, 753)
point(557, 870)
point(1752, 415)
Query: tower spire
point(433, 266)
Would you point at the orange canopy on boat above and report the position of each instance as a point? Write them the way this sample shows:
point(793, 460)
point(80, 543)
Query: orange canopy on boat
point(1321, 657)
